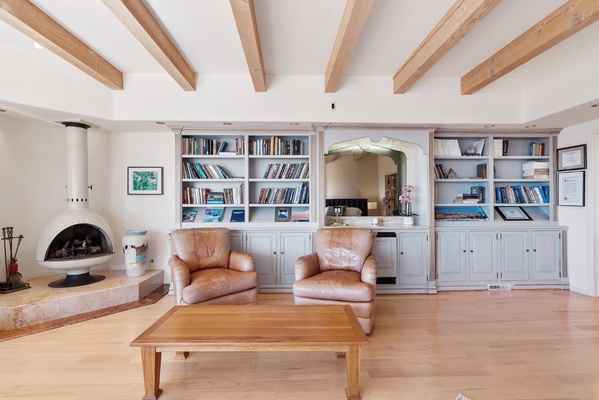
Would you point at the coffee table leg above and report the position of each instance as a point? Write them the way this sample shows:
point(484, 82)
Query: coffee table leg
point(150, 362)
point(352, 362)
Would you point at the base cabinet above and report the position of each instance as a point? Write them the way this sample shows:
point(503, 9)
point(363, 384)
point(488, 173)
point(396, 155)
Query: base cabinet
point(521, 257)
point(413, 258)
point(275, 254)
point(403, 258)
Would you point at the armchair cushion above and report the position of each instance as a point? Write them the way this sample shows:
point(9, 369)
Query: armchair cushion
point(201, 248)
point(210, 283)
point(343, 248)
point(335, 285)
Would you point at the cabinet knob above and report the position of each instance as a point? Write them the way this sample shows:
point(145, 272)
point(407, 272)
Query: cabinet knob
point(527, 250)
point(471, 251)
point(464, 251)
point(274, 252)
point(535, 250)
point(401, 253)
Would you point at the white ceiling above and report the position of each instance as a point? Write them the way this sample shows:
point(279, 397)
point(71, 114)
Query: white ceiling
point(297, 36)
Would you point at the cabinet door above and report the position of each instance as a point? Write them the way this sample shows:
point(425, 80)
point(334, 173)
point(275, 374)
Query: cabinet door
point(482, 256)
point(515, 256)
point(263, 247)
point(546, 255)
point(413, 258)
point(451, 256)
point(292, 245)
point(236, 241)
point(385, 250)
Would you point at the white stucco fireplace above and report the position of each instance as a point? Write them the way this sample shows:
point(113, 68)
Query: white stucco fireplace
point(77, 239)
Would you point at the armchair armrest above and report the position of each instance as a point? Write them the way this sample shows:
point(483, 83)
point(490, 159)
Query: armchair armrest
point(242, 262)
point(306, 266)
point(180, 277)
point(370, 270)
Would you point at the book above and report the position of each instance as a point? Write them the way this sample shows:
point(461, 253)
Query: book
point(300, 214)
point(213, 215)
point(238, 215)
point(189, 215)
point(215, 198)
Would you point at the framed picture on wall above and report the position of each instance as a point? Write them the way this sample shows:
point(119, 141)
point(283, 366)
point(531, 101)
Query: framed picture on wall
point(570, 189)
point(144, 180)
point(573, 157)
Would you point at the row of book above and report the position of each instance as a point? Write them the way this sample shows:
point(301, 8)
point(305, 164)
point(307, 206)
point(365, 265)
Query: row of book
point(440, 173)
point(211, 147)
point(518, 194)
point(203, 171)
point(193, 195)
point(287, 195)
point(447, 147)
point(536, 149)
point(286, 171)
point(500, 147)
point(276, 146)
point(535, 170)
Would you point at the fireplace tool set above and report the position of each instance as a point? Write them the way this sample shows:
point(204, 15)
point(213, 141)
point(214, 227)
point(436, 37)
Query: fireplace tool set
point(14, 279)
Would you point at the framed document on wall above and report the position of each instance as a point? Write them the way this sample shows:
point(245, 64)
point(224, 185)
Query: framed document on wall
point(573, 157)
point(570, 189)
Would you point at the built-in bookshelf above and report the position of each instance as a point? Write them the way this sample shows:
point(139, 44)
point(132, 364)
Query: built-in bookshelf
point(253, 178)
point(493, 177)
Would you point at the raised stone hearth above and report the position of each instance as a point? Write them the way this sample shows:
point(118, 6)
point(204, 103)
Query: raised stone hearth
point(42, 303)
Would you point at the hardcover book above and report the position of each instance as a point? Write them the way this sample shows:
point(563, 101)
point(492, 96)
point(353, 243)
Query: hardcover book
point(189, 215)
point(238, 215)
point(213, 215)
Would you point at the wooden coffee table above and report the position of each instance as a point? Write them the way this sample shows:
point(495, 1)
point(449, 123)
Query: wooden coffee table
point(252, 328)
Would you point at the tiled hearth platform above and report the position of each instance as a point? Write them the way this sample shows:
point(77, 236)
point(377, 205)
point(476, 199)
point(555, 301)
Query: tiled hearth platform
point(41, 304)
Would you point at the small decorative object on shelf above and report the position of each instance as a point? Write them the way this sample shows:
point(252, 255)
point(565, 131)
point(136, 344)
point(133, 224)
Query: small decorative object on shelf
point(135, 248)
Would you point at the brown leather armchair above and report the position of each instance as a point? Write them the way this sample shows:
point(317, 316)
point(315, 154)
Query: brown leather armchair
point(204, 270)
point(342, 271)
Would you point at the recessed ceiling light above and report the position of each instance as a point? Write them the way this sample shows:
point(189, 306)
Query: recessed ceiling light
point(227, 123)
point(530, 126)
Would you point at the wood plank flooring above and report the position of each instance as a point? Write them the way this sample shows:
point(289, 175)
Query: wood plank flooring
point(521, 345)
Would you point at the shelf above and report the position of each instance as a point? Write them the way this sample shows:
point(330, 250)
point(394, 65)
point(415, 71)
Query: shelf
point(491, 163)
point(247, 171)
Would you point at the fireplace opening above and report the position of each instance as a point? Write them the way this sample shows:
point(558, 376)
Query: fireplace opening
point(77, 242)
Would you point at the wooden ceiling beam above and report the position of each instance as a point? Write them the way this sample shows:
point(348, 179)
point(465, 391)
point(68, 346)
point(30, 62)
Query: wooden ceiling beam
point(39, 26)
point(245, 19)
point(353, 20)
point(562, 23)
point(459, 20)
point(141, 23)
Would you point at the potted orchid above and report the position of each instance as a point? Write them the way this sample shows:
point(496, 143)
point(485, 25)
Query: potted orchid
point(405, 208)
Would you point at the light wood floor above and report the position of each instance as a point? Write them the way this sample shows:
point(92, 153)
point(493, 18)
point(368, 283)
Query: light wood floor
point(499, 345)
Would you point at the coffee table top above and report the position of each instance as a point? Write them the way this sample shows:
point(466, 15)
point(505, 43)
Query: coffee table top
point(249, 326)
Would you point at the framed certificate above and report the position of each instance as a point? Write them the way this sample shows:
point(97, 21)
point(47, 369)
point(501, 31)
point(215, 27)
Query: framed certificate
point(573, 157)
point(513, 213)
point(570, 189)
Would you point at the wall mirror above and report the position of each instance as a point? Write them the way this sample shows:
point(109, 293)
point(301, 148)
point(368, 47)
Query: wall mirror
point(363, 164)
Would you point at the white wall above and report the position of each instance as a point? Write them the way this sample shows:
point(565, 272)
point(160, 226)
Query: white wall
point(582, 221)
point(156, 213)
